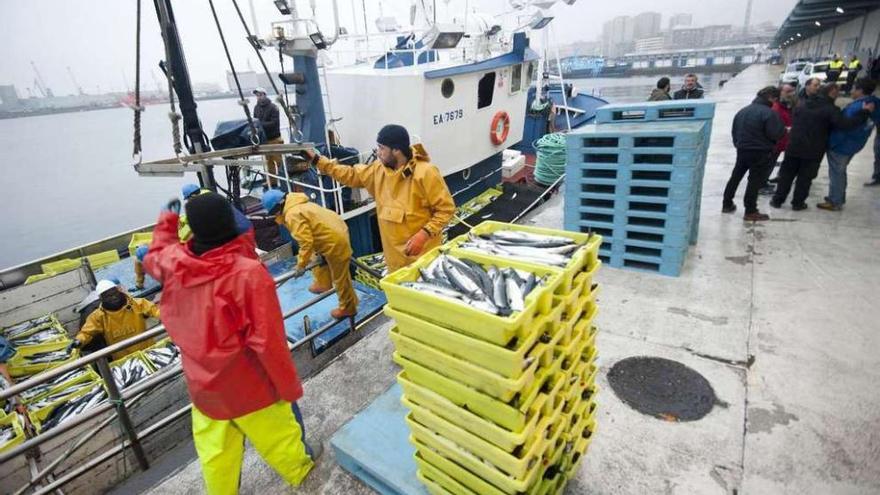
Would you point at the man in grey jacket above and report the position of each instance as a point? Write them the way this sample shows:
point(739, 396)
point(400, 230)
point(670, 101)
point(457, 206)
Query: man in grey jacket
point(756, 129)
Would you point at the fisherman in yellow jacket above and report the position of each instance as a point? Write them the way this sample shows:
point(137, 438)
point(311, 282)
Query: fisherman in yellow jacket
point(413, 204)
point(318, 231)
point(119, 317)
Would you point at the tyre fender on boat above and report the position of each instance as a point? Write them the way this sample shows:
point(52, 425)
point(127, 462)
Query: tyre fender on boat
point(500, 127)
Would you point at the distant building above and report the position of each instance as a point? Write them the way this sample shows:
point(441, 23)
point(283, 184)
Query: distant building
point(650, 44)
point(9, 98)
point(694, 37)
point(618, 36)
point(251, 80)
point(646, 25)
point(581, 49)
point(680, 20)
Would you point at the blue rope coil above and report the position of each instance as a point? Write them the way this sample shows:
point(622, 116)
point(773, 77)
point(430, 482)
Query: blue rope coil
point(550, 163)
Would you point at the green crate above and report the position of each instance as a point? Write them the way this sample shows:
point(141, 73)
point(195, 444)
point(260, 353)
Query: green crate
point(51, 320)
point(88, 375)
point(586, 258)
point(17, 428)
point(506, 361)
point(37, 417)
point(463, 318)
point(139, 239)
point(512, 416)
point(469, 373)
point(61, 266)
point(17, 365)
point(102, 259)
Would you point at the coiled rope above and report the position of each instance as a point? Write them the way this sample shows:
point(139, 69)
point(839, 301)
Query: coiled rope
point(550, 163)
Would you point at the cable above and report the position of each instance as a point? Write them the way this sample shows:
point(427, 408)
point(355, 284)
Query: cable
point(242, 101)
point(137, 88)
point(550, 163)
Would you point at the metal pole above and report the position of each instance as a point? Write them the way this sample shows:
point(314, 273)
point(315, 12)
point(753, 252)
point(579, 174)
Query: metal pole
point(97, 461)
point(122, 412)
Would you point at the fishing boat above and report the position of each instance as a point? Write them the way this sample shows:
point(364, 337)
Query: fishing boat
point(465, 92)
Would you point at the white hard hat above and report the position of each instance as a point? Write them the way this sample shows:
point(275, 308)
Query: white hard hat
point(260, 90)
point(103, 286)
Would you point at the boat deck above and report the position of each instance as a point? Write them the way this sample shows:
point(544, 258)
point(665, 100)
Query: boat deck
point(779, 317)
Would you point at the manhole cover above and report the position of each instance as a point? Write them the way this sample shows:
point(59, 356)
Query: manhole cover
point(662, 388)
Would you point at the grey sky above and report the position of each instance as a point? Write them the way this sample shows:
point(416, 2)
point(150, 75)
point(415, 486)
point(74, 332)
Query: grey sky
point(96, 37)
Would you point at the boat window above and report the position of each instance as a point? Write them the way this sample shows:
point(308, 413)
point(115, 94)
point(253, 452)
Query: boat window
point(515, 78)
point(530, 75)
point(486, 90)
point(447, 87)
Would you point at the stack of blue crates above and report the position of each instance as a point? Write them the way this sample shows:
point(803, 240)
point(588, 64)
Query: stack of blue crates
point(636, 178)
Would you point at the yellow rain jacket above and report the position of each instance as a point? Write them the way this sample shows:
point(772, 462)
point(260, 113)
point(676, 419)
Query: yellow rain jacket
point(409, 198)
point(318, 230)
point(116, 326)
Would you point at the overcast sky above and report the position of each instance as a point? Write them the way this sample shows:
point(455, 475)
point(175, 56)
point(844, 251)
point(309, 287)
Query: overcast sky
point(96, 37)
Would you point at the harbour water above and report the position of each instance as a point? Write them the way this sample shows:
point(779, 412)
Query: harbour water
point(68, 178)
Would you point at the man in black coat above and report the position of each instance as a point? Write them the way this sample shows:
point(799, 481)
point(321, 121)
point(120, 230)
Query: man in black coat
point(812, 122)
point(756, 130)
point(691, 89)
point(267, 113)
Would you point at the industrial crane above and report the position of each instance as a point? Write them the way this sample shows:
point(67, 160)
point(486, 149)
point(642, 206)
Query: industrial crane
point(40, 84)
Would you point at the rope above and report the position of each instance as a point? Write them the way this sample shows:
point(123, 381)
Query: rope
point(255, 45)
point(550, 158)
point(136, 151)
point(242, 101)
point(172, 115)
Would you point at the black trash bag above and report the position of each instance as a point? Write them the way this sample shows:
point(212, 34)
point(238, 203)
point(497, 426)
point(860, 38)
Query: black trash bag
point(236, 134)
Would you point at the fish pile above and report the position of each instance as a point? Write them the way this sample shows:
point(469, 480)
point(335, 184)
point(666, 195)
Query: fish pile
point(44, 387)
point(498, 291)
point(24, 327)
point(48, 356)
point(51, 334)
point(62, 413)
point(7, 434)
point(161, 357)
point(57, 396)
point(130, 372)
point(375, 262)
point(524, 246)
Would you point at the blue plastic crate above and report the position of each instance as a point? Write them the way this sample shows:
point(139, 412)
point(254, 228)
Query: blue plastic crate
point(573, 225)
point(645, 157)
point(639, 135)
point(661, 237)
point(656, 111)
point(625, 262)
point(648, 192)
point(659, 225)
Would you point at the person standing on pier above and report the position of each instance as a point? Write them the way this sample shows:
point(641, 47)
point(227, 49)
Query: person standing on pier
point(812, 122)
point(220, 307)
point(835, 67)
point(661, 92)
point(756, 130)
point(843, 145)
point(691, 89)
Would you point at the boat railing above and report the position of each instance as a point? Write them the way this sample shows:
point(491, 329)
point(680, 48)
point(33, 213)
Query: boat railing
point(120, 402)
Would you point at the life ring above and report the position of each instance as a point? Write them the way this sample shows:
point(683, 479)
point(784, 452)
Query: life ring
point(500, 127)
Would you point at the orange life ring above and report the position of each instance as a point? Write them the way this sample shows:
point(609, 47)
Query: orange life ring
point(500, 127)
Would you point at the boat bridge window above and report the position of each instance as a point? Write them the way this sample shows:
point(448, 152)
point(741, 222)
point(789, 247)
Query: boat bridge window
point(447, 87)
point(515, 78)
point(486, 90)
point(530, 76)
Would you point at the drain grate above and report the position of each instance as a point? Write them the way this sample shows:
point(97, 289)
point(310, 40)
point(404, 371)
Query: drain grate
point(662, 388)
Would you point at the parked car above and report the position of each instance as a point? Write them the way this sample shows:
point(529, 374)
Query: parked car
point(792, 72)
point(819, 70)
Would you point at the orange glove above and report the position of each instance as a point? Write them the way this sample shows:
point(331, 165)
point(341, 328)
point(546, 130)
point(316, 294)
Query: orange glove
point(416, 244)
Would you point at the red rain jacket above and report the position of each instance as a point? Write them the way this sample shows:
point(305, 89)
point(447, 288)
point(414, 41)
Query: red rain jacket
point(785, 114)
point(222, 311)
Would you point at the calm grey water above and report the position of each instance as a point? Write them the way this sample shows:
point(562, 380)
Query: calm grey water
point(69, 178)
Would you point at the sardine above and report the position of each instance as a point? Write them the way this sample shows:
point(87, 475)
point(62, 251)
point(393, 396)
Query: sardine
point(514, 292)
point(461, 281)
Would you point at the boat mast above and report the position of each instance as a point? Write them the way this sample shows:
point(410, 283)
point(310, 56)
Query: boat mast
point(175, 66)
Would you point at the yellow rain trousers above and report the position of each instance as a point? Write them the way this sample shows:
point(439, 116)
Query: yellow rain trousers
point(274, 433)
point(318, 230)
point(409, 198)
point(116, 326)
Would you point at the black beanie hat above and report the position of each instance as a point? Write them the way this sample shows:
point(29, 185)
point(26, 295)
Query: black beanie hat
point(394, 136)
point(211, 219)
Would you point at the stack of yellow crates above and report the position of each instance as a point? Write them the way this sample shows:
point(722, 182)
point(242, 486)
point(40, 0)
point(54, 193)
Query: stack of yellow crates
point(499, 405)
